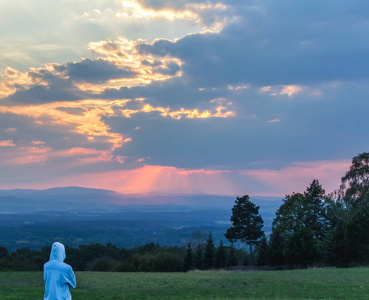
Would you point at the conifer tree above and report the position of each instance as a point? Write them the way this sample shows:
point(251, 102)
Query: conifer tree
point(209, 252)
point(247, 223)
point(232, 260)
point(188, 259)
point(199, 258)
point(220, 256)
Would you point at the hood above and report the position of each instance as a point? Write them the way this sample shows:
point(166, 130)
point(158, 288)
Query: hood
point(57, 252)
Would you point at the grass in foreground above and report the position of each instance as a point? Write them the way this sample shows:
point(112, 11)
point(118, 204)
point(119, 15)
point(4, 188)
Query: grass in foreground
point(297, 284)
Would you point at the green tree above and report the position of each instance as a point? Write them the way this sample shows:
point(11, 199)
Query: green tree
point(275, 249)
point(188, 261)
point(355, 184)
point(232, 260)
point(165, 262)
point(335, 244)
point(347, 212)
point(247, 223)
point(262, 251)
point(301, 248)
point(290, 215)
point(199, 257)
point(314, 210)
point(357, 235)
point(209, 252)
point(298, 215)
point(4, 253)
point(220, 256)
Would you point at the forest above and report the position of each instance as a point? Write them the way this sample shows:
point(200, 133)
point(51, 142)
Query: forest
point(311, 228)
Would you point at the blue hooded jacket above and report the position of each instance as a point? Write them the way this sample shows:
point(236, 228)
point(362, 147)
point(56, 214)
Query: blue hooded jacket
point(58, 276)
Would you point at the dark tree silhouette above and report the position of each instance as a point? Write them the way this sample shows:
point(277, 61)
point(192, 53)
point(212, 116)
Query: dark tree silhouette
point(247, 223)
point(355, 184)
point(313, 206)
point(199, 258)
point(232, 260)
point(209, 253)
point(188, 261)
point(220, 256)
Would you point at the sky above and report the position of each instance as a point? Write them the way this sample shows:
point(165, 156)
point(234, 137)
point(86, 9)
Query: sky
point(233, 97)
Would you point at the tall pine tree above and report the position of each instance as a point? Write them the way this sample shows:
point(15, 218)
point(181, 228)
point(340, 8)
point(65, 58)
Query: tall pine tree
point(188, 258)
point(209, 253)
point(220, 256)
point(247, 223)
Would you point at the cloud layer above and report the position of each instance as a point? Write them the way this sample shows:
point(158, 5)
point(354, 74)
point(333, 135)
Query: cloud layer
point(217, 97)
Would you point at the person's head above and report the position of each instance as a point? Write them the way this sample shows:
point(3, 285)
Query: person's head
point(57, 252)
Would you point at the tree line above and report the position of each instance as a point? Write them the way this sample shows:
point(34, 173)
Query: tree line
point(147, 258)
point(311, 228)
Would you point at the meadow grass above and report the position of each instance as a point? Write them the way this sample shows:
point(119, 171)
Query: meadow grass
point(297, 284)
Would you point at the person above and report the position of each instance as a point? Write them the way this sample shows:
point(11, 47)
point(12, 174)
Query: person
point(58, 276)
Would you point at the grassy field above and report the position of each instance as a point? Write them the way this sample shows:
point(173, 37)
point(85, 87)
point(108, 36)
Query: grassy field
point(297, 284)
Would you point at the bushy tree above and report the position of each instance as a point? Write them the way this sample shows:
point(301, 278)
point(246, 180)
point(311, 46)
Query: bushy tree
point(355, 184)
point(301, 247)
point(357, 231)
point(165, 262)
point(290, 215)
point(297, 217)
point(247, 223)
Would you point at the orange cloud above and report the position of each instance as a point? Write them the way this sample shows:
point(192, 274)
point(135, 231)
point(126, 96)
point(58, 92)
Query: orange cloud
point(124, 54)
point(289, 90)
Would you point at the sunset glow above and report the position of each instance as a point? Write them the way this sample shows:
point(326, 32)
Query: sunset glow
point(182, 97)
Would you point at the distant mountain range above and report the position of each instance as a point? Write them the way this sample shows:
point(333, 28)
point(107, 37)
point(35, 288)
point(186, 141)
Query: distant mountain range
point(75, 215)
point(88, 199)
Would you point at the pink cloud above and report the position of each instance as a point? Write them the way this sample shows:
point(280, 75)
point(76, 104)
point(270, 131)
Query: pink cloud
point(10, 130)
point(297, 177)
point(8, 143)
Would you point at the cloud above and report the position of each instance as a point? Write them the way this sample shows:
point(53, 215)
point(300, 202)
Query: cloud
point(296, 177)
point(94, 71)
point(186, 90)
point(276, 48)
point(274, 121)
point(7, 143)
point(289, 90)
